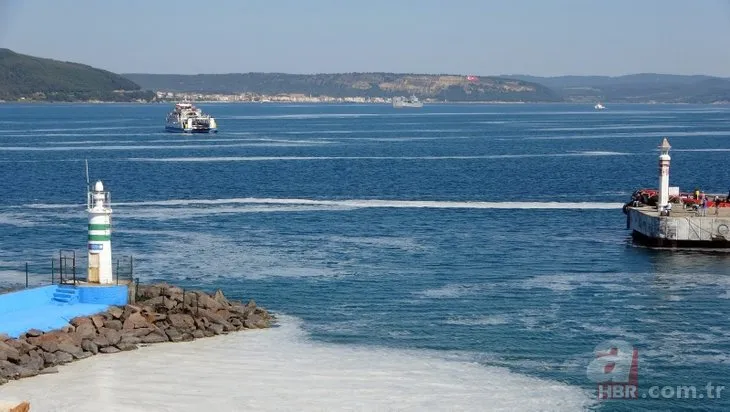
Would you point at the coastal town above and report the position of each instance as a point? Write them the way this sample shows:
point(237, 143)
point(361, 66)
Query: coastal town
point(264, 98)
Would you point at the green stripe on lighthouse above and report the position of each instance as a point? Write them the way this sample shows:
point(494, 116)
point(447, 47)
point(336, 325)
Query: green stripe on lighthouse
point(99, 238)
point(99, 226)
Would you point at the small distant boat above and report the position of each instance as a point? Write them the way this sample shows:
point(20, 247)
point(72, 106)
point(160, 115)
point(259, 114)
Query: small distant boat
point(399, 102)
point(599, 106)
point(186, 118)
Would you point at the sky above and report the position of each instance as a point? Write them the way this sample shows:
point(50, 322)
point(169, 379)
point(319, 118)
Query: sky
point(482, 37)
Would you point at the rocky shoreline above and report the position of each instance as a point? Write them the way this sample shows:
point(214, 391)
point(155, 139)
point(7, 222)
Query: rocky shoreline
point(161, 313)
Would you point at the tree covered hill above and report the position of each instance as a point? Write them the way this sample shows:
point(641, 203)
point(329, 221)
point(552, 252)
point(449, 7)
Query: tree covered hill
point(425, 86)
point(35, 78)
point(637, 88)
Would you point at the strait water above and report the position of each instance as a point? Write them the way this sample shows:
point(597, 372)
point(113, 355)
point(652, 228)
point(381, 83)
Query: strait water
point(490, 234)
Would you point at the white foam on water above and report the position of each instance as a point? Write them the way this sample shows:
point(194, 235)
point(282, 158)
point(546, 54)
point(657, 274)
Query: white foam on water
point(613, 127)
point(281, 369)
point(703, 150)
point(16, 219)
point(71, 129)
point(148, 147)
point(319, 158)
point(450, 291)
point(348, 204)
point(490, 320)
point(178, 213)
point(602, 153)
point(179, 255)
point(382, 203)
point(725, 295)
point(402, 243)
point(79, 142)
point(301, 116)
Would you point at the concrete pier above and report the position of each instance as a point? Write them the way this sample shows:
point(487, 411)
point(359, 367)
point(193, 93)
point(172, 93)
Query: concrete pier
point(683, 228)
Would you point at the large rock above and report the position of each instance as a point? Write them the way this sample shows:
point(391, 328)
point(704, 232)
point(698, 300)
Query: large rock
point(129, 338)
point(206, 302)
point(32, 333)
point(149, 292)
point(11, 353)
point(115, 311)
point(125, 346)
point(49, 359)
point(181, 321)
point(134, 321)
point(21, 345)
point(82, 355)
point(69, 348)
point(216, 328)
point(156, 302)
point(101, 341)
point(89, 346)
point(9, 370)
point(112, 336)
point(215, 318)
point(174, 335)
point(26, 372)
point(220, 298)
point(171, 292)
point(113, 324)
point(109, 349)
point(256, 321)
point(35, 360)
point(81, 320)
point(86, 330)
point(98, 321)
point(63, 357)
point(130, 309)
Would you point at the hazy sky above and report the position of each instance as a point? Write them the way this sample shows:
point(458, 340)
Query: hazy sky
point(540, 37)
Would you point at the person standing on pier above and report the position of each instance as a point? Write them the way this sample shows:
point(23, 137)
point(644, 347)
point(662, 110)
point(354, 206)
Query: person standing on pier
point(703, 205)
point(717, 205)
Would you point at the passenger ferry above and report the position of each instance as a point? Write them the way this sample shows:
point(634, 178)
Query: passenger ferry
point(186, 118)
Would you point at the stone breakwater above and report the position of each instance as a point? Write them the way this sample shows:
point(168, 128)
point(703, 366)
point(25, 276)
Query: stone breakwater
point(160, 313)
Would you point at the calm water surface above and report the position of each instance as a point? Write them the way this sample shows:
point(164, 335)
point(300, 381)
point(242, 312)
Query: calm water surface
point(486, 233)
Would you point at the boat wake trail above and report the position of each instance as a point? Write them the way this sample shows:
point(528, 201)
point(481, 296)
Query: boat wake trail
point(382, 203)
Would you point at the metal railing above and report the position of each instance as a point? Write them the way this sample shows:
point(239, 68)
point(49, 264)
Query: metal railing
point(62, 269)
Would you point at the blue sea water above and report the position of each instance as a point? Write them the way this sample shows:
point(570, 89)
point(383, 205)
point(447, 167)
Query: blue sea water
point(485, 233)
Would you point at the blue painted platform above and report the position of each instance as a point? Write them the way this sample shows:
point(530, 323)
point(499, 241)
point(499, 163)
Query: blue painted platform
point(52, 307)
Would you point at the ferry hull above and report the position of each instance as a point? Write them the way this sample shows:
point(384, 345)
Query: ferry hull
point(405, 105)
point(174, 129)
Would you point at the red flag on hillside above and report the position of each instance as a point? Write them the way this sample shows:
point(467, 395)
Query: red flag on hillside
point(472, 78)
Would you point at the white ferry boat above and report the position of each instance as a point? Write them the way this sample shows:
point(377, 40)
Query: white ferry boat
point(186, 118)
point(599, 106)
point(399, 102)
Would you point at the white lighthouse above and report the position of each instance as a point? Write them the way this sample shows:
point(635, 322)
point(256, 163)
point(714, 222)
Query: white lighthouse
point(664, 175)
point(100, 231)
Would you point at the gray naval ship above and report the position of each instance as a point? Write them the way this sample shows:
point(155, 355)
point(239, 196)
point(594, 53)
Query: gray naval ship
point(400, 102)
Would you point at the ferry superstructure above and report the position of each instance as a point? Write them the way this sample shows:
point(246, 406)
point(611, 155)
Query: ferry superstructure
point(400, 102)
point(186, 118)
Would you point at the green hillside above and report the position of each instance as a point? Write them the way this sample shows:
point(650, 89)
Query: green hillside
point(33, 78)
point(425, 86)
point(637, 88)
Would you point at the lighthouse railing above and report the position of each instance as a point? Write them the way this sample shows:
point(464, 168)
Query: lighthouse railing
point(124, 270)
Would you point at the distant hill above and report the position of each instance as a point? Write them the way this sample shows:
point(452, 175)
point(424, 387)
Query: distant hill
point(425, 86)
point(34, 78)
point(637, 88)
